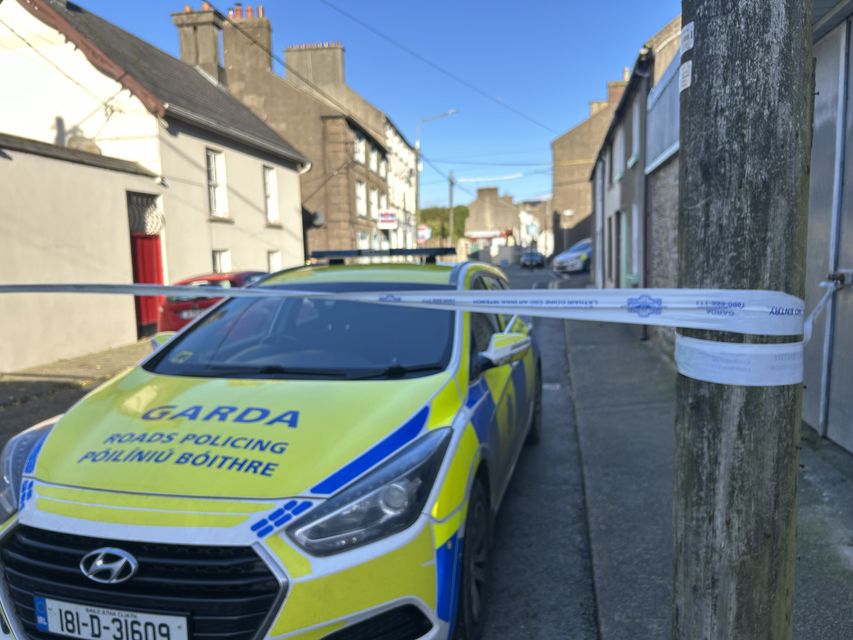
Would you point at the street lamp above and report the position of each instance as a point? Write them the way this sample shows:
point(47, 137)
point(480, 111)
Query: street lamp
point(421, 122)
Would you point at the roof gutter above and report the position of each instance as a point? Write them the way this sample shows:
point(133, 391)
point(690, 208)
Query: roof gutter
point(246, 138)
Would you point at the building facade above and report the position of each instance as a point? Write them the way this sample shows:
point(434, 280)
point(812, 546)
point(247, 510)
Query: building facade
point(226, 192)
point(360, 190)
point(619, 177)
point(827, 407)
point(55, 201)
point(493, 222)
point(573, 158)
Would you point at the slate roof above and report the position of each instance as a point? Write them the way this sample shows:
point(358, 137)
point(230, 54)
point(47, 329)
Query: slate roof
point(35, 147)
point(182, 91)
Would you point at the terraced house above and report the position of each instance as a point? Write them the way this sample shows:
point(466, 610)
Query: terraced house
point(146, 169)
point(360, 191)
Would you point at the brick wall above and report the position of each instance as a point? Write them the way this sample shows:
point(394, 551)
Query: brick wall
point(662, 239)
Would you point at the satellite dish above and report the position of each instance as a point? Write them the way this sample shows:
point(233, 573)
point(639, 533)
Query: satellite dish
point(318, 219)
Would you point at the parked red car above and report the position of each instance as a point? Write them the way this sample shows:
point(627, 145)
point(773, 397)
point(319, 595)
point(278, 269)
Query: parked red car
point(178, 312)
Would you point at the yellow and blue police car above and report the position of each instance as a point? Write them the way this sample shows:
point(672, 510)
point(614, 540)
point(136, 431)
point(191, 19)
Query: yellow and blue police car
point(284, 467)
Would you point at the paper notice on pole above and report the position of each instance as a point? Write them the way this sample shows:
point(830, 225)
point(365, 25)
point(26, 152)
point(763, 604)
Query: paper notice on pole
point(749, 365)
point(685, 76)
point(687, 35)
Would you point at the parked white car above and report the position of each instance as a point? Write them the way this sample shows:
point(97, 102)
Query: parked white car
point(575, 259)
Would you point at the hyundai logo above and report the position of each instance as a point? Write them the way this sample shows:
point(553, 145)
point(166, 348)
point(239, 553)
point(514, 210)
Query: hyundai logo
point(109, 566)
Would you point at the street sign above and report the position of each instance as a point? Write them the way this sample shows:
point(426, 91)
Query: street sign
point(387, 221)
point(424, 233)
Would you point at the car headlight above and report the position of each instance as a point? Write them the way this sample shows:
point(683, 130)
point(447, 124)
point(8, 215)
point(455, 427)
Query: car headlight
point(13, 460)
point(386, 501)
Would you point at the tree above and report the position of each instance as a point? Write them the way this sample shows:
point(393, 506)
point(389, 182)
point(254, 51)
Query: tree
point(746, 114)
point(438, 219)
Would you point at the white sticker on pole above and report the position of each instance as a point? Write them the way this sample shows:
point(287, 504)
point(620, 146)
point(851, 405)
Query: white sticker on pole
point(687, 35)
point(685, 76)
point(749, 365)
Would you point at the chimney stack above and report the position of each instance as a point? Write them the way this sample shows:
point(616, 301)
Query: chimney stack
point(248, 46)
point(199, 36)
point(322, 64)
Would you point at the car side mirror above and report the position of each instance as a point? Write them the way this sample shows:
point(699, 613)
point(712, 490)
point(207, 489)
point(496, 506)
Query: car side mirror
point(159, 339)
point(503, 349)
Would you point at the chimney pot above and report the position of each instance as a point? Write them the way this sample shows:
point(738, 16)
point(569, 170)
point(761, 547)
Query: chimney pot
point(250, 12)
point(188, 8)
point(238, 11)
point(261, 12)
point(205, 6)
point(230, 14)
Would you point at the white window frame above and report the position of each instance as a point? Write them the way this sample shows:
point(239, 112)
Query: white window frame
point(374, 160)
point(635, 134)
point(217, 186)
point(619, 153)
point(383, 168)
point(361, 198)
point(221, 261)
point(374, 203)
point(383, 202)
point(271, 195)
point(274, 261)
point(360, 149)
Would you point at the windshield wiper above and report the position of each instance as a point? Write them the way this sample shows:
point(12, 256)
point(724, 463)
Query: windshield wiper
point(397, 371)
point(225, 370)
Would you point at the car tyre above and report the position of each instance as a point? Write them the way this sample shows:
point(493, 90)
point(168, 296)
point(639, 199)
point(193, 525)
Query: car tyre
point(534, 435)
point(476, 549)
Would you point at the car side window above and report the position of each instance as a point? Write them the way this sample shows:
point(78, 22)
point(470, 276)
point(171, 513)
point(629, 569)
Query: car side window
point(483, 325)
point(494, 284)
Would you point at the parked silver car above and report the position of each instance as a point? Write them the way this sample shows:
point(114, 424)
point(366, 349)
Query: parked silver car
point(575, 259)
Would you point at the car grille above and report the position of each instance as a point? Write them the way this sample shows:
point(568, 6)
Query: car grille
point(403, 623)
point(227, 592)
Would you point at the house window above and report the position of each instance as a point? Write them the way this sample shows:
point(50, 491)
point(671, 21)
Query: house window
point(362, 240)
point(273, 261)
point(221, 260)
point(217, 191)
point(360, 149)
point(374, 161)
point(361, 199)
point(635, 134)
point(383, 168)
point(374, 203)
point(619, 152)
point(271, 195)
point(383, 202)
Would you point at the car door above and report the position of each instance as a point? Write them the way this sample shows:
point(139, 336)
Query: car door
point(498, 385)
point(523, 372)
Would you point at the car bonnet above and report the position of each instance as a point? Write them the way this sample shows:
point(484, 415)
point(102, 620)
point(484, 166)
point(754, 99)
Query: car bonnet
point(237, 438)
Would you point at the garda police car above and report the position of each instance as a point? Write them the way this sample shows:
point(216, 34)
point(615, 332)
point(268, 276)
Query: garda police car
point(287, 467)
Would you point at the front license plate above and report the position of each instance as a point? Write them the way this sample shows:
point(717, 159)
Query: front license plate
point(96, 623)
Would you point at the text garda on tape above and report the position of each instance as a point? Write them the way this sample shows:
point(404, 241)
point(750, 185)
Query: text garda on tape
point(763, 313)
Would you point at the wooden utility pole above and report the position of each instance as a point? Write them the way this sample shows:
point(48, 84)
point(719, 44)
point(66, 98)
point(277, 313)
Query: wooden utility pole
point(746, 118)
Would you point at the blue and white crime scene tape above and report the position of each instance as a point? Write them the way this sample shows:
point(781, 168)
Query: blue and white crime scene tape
point(753, 312)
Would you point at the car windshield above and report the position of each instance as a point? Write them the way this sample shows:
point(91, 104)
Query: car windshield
point(583, 245)
point(310, 338)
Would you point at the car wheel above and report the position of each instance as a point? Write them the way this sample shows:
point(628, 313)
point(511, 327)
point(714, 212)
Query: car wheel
point(535, 433)
point(475, 566)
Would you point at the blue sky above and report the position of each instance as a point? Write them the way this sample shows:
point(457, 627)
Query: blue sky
point(546, 58)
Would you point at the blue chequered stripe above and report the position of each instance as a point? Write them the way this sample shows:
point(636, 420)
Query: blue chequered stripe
point(26, 493)
point(280, 517)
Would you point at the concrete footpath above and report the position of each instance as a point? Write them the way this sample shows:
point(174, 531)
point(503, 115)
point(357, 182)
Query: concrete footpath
point(30, 396)
point(624, 397)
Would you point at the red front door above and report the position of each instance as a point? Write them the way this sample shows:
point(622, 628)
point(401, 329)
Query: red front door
point(147, 269)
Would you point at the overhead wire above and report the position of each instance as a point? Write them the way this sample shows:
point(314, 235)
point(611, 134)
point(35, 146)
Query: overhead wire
point(437, 67)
